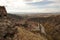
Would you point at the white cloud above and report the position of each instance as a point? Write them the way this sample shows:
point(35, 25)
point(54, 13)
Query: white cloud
point(58, 1)
point(43, 10)
point(33, 0)
point(3, 2)
point(37, 0)
point(20, 6)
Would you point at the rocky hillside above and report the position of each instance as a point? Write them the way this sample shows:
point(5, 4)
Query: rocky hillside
point(13, 27)
point(16, 32)
point(10, 29)
point(51, 25)
point(7, 29)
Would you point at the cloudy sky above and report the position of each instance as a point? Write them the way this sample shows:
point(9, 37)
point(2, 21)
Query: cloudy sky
point(35, 6)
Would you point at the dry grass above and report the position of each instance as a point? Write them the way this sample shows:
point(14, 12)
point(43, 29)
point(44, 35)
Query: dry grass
point(26, 35)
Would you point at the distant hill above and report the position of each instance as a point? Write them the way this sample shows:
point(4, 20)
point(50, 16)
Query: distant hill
point(15, 16)
point(37, 14)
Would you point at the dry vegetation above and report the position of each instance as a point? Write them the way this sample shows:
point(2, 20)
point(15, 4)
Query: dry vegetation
point(26, 35)
point(13, 27)
point(10, 28)
point(51, 25)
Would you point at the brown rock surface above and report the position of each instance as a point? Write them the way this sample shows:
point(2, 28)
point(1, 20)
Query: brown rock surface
point(3, 11)
point(7, 29)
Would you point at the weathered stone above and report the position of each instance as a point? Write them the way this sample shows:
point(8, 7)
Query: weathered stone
point(7, 29)
point(3, 11)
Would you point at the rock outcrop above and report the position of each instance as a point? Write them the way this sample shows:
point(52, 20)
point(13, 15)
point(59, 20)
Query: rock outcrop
point(3, 11)
point(7, 26)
